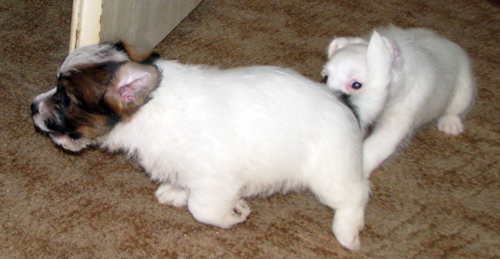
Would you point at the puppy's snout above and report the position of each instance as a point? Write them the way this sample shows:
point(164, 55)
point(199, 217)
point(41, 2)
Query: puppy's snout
point(34, 109)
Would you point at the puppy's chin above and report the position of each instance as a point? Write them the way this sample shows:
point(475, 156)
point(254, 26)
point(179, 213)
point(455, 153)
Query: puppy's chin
point(73, 145)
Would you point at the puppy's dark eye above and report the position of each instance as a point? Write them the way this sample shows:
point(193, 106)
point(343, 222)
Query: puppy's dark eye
point(61, 98)
point(324, 80)
point(356, 85)
point(58, 97)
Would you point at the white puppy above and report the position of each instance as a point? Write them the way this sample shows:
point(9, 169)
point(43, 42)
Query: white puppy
point(431, 79)
point(212, 137)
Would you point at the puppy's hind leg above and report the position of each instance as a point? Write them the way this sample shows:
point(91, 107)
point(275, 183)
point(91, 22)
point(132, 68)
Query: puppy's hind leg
point(347, 224)
point(347, 194)
point(461, 101)
point(218, 206)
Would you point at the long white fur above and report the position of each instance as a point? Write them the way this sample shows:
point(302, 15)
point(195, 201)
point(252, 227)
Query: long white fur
point(212, 137)
point(431, 79)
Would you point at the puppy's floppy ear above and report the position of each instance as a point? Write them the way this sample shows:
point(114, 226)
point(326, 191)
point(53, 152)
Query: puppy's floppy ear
point(131, 86)
point(341, 42)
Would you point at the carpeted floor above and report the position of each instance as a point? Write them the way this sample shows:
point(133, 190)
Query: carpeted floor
point(438, 198)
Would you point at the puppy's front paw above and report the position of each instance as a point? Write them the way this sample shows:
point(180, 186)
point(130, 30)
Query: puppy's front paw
point(450, 124)
point(166, 194)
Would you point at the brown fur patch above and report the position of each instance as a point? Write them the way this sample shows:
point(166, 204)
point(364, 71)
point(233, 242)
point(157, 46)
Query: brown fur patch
point(99, 126)
point(87, 113)
point(88, 84)
point(97, 102)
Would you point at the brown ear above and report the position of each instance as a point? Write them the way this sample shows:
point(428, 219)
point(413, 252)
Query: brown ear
point(130, 88)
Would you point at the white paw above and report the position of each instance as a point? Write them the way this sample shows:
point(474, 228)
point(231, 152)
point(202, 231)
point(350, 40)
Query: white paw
point(347, 224)
point(217, 213)
point(347, 235)
point(351, 243)
point(241, 210)
point(450, 124)
point(166, 194)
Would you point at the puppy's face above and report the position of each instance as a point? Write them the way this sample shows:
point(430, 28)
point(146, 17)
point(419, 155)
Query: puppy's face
point(97, 87)
point(346, 68)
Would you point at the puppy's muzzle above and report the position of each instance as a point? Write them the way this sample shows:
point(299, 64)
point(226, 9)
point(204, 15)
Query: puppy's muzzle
point(37, 117)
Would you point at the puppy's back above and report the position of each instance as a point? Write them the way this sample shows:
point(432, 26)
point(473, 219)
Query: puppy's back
point(261, 118)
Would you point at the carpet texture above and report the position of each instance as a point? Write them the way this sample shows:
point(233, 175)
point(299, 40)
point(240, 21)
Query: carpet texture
point(439, 197)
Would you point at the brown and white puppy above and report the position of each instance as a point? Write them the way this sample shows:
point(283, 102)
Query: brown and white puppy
point(211, 136)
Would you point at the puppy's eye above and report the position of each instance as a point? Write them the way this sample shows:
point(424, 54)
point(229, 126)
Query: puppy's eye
point(324, 80)
point(356, 85)
point(57, 98)
point(61, 98)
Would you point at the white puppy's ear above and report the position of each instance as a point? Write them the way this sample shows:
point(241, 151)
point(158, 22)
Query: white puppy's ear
point(131, 86)
point(341, 42)
point(380, 57)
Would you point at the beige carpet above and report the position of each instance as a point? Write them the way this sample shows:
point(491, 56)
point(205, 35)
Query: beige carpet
point(439, 198)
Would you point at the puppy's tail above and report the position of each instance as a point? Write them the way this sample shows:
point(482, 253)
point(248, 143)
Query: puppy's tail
point(371, 100)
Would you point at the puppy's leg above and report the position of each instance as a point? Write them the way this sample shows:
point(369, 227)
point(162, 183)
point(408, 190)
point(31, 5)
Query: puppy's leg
point(450, 124)
point(217, 206)
point(384, 140)
point(463, 97)
point(346, 191)
point(347, 224)
point(167, 194)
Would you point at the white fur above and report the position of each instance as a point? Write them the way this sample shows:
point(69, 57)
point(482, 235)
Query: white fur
point(431, 79)
point(212, 137)
point(43, 111)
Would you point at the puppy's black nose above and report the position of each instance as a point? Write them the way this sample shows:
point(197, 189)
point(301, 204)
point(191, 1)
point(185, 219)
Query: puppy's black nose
point(34, 109)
